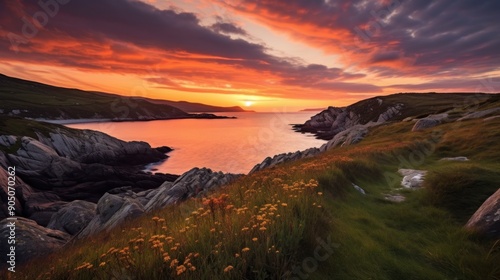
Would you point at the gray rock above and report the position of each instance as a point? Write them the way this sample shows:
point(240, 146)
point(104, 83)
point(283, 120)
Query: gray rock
point(412, 179)
point(480, 114)
point(43, 202)
point(22, 192)
point(32, 240)
point(37, 159)
point(486, 220)
point(7, 140)
point(454, 159)
point(395, 197)
point(190, 184)
point(349, 136)
point(425, 123)
point(359, 189)
point(73, 217)
point(287, 157)
point(111, 211)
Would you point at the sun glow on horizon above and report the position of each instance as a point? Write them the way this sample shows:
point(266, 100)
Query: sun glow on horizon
point(248, 103)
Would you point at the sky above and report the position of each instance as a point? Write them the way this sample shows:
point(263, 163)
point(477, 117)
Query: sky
point(258, 54)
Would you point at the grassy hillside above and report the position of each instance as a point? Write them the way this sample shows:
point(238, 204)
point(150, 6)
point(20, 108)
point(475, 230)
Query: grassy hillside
point(35, 100)
point(304, 220)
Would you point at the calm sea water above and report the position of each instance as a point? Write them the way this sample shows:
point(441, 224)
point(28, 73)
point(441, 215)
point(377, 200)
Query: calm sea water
point(228, 145)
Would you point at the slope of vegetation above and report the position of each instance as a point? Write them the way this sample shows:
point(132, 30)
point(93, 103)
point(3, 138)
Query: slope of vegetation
point(304, 220)
point(36, 100)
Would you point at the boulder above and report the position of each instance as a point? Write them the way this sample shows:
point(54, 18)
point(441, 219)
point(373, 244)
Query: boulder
point(359, 189)
point(112, 210)
point(73, 217)
point(425, 123)
point(412, 179)
point(190, 184)
point(395, 197)
point(454, 159)
point(32, 240)
point(486, 220)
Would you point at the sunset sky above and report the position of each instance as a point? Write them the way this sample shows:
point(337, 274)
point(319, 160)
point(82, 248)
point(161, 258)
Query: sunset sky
point(263, 54)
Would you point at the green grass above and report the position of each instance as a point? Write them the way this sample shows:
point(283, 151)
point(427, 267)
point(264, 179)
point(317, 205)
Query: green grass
point(291, 208)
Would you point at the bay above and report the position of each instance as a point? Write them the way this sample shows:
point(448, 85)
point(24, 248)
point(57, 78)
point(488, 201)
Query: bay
point(228, 145)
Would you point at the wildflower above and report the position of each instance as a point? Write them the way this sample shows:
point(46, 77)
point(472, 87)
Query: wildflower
point(228, 268)
point(255, 239)
point(246, 249)
point(181, 269)
point(102, 264)
point(262, 228)
point(284, 204)
point(320, 193)
point(173, 263)
point(236, 255)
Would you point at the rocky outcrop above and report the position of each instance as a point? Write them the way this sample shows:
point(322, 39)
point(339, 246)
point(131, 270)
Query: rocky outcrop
point(32, 240)
point(114, 209)
point(334, 120)
point(286, 157)
point(111, 211)
point(40, 206)
point(480, 114)
point(21, 193)
point(425, 123)
point(413, 179)
point(68, 164)
point(430, 121)
point(191, 183)
point(486, 220)
point(349, 136)
point(73, 217)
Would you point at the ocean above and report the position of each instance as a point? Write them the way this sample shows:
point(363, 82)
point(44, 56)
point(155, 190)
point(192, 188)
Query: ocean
point(228, 145)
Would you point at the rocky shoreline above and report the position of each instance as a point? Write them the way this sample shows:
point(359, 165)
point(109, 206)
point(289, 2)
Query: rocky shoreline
point(73, 183)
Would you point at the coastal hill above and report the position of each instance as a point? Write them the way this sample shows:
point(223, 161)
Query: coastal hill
point(198, 107)
point(27, 99)
point(395, 107)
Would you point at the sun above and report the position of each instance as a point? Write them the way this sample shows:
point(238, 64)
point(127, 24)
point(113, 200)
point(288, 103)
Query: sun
point(248, 103)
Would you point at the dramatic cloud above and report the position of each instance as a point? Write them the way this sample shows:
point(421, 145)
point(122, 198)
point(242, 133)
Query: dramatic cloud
point(443, 35)
point(124, 36)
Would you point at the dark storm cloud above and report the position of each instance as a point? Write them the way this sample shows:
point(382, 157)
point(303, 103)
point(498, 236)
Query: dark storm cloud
point(385, 56)
point(227, 27)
